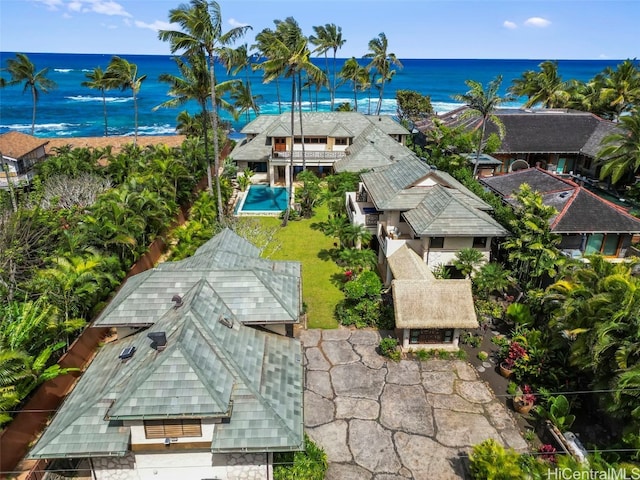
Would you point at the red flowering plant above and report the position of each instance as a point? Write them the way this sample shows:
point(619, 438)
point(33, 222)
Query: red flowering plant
point(525, 395)
point(547, 452)
point(514, 354)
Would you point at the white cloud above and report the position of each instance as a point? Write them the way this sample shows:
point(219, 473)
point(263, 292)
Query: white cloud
point(74, 6)
point(509, 24)
point(537, 22)
point(108, 7)
point(51, 4)
point(155, 26)
point(235, 23)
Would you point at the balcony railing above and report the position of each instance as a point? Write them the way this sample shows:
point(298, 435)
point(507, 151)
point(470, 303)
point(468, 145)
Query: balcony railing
point(362, 196)
point(308, 155)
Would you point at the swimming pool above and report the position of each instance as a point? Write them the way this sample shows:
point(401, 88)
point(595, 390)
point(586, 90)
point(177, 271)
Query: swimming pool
point(262, 200)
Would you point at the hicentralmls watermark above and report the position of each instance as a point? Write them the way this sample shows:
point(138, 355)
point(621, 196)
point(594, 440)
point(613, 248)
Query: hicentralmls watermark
point(609, 474)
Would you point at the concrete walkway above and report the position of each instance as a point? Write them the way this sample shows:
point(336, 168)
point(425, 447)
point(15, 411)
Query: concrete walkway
point(381, 420)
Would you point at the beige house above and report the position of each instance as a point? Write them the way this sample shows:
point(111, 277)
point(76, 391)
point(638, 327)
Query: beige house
point(430, 313)
point(326, 138)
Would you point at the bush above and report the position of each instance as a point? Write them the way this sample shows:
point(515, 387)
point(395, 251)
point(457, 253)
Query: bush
point(491, 461)
point(310, 464)
point(483, 356)
point(389, 348)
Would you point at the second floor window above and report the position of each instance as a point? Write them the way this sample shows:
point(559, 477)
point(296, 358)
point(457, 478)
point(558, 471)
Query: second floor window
point(479, 242)
point(186, 427)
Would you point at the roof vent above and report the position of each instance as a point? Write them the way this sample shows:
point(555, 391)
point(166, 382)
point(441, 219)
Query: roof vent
point(564, 194)
point(226, 321)
point(177, 299)
point(158, 340)
point(127, 353)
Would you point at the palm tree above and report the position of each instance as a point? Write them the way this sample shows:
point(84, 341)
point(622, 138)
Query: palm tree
point(22, 70)
point(289, 55)
point(621, 151)
point(353, 72)
point(620, 88)
point(235, 61)
point(98, 80)
point(264, 41)
point(201, 23)
point(381, 61)
point(124, 74)
point(468, 260)
point(244, 101)
point(483, 103)
point(544, 87)
point(329, 37)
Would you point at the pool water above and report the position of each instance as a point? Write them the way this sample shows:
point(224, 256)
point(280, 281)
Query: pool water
point(263, 199)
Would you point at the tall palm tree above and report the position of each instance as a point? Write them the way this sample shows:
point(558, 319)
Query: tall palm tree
point(98, 80)
point(201, 23)
point(124, 74)
point(328, 37)
point(621, 151)
point(353, 72)
point(22, 70)
point(289, 55)
point(382, 61)
point(482, 103)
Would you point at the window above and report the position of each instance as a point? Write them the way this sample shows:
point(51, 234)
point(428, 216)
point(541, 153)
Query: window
point(188, 427)
point(436, 242)
point(341, 141)
point(430, 335)
point(479, 242)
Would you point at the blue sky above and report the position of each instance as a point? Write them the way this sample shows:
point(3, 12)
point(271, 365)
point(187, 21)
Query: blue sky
point(529, 29)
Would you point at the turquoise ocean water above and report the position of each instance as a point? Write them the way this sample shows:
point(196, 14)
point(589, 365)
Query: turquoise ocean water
point(72, 110)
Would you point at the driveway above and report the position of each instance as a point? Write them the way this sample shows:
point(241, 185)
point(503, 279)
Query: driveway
point(382, 420)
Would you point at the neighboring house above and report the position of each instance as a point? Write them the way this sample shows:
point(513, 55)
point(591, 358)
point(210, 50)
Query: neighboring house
point(19, 153)
point(260, 292)
point(409, 202)
point(559, 140)
point(588, 224)
point(429, 312)
point(329, 137)
point(188, 390)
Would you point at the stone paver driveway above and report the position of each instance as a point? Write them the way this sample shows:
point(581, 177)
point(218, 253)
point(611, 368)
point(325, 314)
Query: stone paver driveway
point(381, 420)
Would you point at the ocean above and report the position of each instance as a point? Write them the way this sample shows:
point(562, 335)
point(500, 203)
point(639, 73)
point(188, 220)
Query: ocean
point(72, 110)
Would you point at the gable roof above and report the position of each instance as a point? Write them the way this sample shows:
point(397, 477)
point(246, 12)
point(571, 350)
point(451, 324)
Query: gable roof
point(17, 144)
point(579, 210)
point(206, 368)
point(422, 301)
point(255, 289)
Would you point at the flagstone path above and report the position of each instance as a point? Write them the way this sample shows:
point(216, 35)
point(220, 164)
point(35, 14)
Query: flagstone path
point(382, 420)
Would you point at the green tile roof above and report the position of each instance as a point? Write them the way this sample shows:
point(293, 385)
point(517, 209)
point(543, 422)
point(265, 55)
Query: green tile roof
point(441, 214)
point(206, 370)
point(255, 289)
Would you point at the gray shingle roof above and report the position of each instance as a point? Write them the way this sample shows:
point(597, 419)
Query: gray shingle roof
point(205, 369)
point(539, 130)
point(255, 289)
point(442, 214)
point(579, 210)
point(403, 185)
point(323, 124)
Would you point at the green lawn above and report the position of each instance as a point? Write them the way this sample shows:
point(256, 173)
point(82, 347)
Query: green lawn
point(298, 241)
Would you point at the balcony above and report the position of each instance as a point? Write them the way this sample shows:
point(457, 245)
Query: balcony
point(311, 157)
point(362, 214)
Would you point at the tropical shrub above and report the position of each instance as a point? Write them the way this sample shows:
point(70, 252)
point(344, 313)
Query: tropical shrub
point(491, 461)
point(389, 348)
point(311, 464)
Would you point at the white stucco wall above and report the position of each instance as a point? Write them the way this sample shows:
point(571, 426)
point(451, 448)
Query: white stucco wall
point(185, 466)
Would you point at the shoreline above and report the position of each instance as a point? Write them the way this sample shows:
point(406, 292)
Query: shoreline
point(117, 142)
